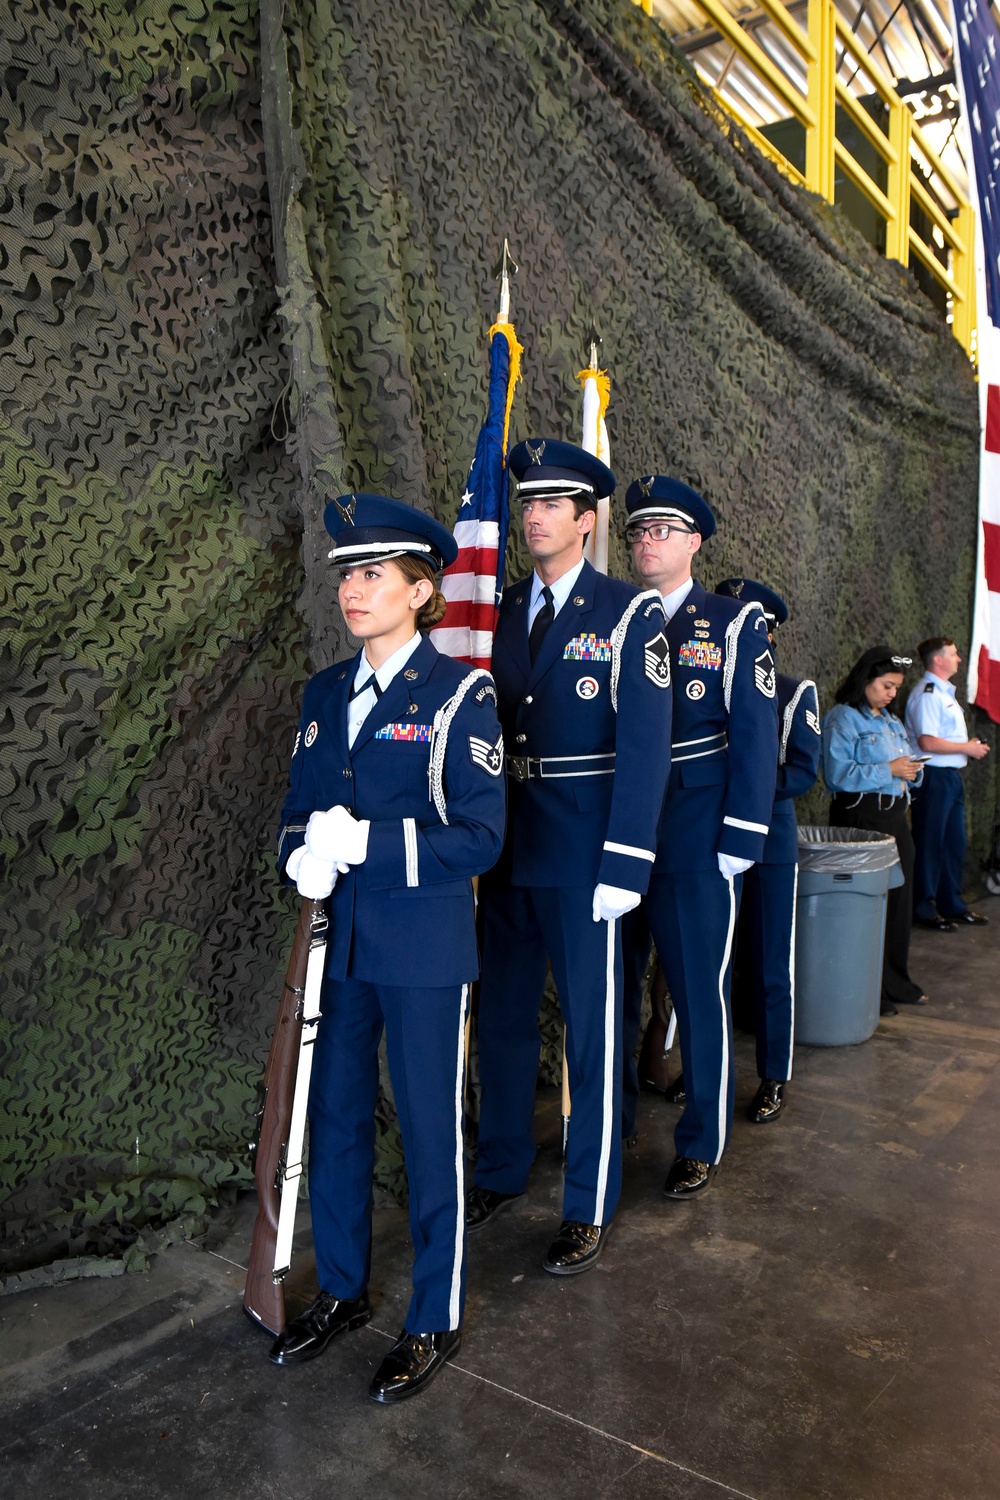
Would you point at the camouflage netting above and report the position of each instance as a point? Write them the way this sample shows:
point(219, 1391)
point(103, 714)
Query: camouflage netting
point(194, 349)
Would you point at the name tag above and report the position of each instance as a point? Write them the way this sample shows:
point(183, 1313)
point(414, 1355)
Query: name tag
point(418, 734)
point(587, 648)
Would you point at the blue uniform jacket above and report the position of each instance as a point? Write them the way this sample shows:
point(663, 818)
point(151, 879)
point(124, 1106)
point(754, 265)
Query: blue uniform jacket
point(406, 915)
point(725, 734)
point(599, 688)
point(798, 765)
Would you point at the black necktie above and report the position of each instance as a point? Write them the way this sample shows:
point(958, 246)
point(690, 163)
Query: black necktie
point(369, 682)
point(540, 624)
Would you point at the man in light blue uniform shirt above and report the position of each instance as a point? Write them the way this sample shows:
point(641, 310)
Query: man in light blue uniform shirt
point(936, 726)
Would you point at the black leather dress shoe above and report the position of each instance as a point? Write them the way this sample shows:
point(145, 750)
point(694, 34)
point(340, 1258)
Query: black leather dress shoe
point(687, 1176)
point(412, 1363)
point(767, 1103)
point(576, 1248)
point(675, 1093)
point(308, 1335)
point(936, 924)
point(968, 919)
point(483, 1204)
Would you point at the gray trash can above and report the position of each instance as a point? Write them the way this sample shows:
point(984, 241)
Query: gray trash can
point(845, 875)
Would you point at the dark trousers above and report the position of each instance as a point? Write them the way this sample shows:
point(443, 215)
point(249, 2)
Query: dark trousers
point(522, 929)
point(692, 917)
point(878, 815)
point(637, 944)
point(425, 1043)
point(767, 923)
point(939, 839)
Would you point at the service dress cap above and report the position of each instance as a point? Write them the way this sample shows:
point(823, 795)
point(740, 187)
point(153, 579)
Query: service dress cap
point(668, 500)
point(545, 466)
point(375, 528)
point(749, 591)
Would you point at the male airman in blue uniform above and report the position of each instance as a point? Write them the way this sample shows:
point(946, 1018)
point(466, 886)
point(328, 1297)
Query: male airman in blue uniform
point(767, 907)
point(582, 668)
point(716, 812)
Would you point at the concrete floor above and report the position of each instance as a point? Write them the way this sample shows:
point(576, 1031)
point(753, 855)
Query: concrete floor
point(825, 1322)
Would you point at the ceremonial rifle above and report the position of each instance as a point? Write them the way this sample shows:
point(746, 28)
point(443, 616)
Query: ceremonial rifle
point(281, 1120)
point(659, 1038)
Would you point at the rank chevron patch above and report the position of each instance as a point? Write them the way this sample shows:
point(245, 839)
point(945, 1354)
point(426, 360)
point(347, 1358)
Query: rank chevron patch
point(486, 755)
point(764, 674)
point(656, 656)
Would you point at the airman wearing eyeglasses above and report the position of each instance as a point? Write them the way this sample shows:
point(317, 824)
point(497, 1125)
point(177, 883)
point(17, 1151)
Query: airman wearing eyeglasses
point(715, 815)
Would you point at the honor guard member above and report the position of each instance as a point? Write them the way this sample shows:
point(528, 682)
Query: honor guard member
point(583, 673)
point(396, 801)
point(767, 907)
point(716, 812)
point(936, 726)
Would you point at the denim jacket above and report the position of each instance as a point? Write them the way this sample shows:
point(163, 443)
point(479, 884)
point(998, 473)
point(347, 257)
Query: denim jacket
point(858, 745)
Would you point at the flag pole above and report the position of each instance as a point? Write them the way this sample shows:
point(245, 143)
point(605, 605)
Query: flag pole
point(505, 267)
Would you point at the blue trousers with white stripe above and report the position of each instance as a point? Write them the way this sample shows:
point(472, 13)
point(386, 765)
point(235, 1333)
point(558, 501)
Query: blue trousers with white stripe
point(692, 917)
point(522, 930)
point(767, 923)
point(425, 1043)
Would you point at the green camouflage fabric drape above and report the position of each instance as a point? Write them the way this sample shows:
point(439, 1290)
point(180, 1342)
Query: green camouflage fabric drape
point(236, 273)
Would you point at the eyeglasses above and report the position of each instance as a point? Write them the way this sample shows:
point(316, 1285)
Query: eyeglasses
point(658, 532)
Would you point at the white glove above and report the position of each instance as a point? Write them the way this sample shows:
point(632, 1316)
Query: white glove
point(729, 865)
point(611, 902)
point(314, 878)
point(338, 836)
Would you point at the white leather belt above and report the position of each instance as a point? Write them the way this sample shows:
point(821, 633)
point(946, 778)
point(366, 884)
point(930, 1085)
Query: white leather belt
point(709, 744)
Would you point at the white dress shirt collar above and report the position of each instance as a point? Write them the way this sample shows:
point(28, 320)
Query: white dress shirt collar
point(561, 590)
point(673, 601)
point(387, 671)
point(364, 697)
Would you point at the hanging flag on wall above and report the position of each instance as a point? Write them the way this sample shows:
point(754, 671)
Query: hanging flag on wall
point(474, 582)
point(977, 54)
point(594, 439)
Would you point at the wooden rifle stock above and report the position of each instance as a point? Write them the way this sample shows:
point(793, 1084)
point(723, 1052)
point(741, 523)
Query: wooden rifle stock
point(263, 1296)
point(654, 1056)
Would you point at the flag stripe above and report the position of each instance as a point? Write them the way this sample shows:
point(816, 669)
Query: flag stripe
point(974, 30)
point(991, 556)
point(473, 583)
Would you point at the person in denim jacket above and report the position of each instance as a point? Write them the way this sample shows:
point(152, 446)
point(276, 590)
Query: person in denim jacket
point(868, 768)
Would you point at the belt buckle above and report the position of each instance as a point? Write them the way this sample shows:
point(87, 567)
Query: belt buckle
point(517, 766)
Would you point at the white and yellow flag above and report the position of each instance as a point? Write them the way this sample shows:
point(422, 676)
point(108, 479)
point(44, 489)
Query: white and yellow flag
point(596, 395)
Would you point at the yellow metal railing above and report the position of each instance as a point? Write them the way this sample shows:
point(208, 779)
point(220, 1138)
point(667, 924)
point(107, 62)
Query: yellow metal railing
point(915, 182)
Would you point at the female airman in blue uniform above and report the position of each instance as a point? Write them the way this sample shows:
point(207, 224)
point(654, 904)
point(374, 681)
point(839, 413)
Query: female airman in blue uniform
point(396, 801)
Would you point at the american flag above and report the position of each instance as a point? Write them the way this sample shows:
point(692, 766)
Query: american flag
point(474, 582)
point(977, 54)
